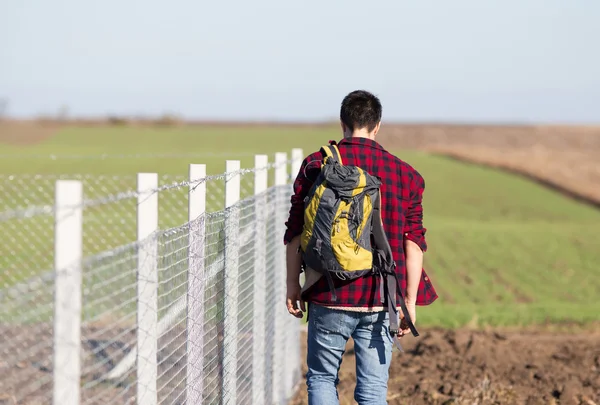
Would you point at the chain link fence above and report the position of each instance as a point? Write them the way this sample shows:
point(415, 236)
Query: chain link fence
point(191, 313)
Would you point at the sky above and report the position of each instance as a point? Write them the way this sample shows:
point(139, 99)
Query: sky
point(428, 60)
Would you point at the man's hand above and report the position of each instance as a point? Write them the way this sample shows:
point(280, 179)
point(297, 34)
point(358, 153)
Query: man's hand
point(412, 312)
point(293, 297)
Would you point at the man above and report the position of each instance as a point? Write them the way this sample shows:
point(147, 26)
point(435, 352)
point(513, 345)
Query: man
point(358, 311)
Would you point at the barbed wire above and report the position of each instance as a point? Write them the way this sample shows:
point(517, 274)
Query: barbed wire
point(28, 212)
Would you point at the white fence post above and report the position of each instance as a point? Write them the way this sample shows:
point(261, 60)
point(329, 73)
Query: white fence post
point(67, 299)
point(260, 280)
point(294, 352)
point(279, 377)
point(147, 289)
point(196, 285)
point(230, 330)
point(297, 158)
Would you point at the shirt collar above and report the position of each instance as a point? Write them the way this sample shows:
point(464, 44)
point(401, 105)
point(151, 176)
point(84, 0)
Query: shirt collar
point(361, 141)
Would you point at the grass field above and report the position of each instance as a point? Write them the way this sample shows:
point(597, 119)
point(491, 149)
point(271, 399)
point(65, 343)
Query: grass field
point(502, 250)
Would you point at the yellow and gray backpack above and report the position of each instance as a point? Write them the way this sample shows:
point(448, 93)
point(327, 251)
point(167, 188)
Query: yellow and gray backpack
point(343, 233)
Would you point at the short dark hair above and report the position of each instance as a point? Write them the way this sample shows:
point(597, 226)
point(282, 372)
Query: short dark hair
point(360, 109)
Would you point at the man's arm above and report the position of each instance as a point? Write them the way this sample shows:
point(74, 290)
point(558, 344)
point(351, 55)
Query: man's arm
point(414, 267)
point(293, 261)
point(291, 239)
point(414, 238)
point(414, 246)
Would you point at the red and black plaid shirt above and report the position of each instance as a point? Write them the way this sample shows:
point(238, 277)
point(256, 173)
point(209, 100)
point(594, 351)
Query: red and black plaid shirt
point(402, 213)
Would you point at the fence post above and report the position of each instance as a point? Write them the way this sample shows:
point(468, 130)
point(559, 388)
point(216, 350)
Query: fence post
point(294, 352)
point(297, 158)
point(260, 280)
point(147, 289)
point(68, 224)
point(279, 377)
point(230, 330)
point(196, 284)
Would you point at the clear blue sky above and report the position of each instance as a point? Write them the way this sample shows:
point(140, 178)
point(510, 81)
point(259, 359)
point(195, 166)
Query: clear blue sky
point(483, 60)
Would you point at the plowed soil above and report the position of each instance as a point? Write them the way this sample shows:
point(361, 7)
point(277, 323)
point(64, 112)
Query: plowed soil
point(564, 158)
point(14, 132)
point(486, 367)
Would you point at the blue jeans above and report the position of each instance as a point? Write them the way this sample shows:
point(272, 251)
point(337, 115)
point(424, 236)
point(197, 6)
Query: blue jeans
point(328, 332)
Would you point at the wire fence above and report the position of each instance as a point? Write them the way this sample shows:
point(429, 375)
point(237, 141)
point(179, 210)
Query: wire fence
point(147, 290)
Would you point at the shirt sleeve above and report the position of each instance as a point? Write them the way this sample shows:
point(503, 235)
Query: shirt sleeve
point(302, 186)
point(413, 224)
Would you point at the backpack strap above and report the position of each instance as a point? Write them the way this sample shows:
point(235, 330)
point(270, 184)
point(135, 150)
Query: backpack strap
point(331, 153)
point(391, 284)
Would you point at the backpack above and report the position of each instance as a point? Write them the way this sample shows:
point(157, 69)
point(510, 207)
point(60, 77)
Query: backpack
point(343, 233)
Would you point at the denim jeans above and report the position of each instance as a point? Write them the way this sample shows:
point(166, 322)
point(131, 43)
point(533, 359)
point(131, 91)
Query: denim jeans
point(328, 332)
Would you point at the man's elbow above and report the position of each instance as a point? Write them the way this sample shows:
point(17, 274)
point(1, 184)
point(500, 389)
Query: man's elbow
point(294, 242)
point(412, 249)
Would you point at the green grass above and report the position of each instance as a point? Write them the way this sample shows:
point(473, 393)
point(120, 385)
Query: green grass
point(502, 250)
point(212, 145)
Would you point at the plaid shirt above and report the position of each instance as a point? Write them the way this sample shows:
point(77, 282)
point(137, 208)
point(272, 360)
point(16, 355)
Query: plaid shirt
point(402, 213)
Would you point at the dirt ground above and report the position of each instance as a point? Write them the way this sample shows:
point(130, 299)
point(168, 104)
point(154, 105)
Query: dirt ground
point(14, 132)
point(486, 367)
point(29, 381)
point(440, 367)
point(561, 157)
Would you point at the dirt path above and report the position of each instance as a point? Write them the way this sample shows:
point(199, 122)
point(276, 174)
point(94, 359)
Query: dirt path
point(478, 367)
